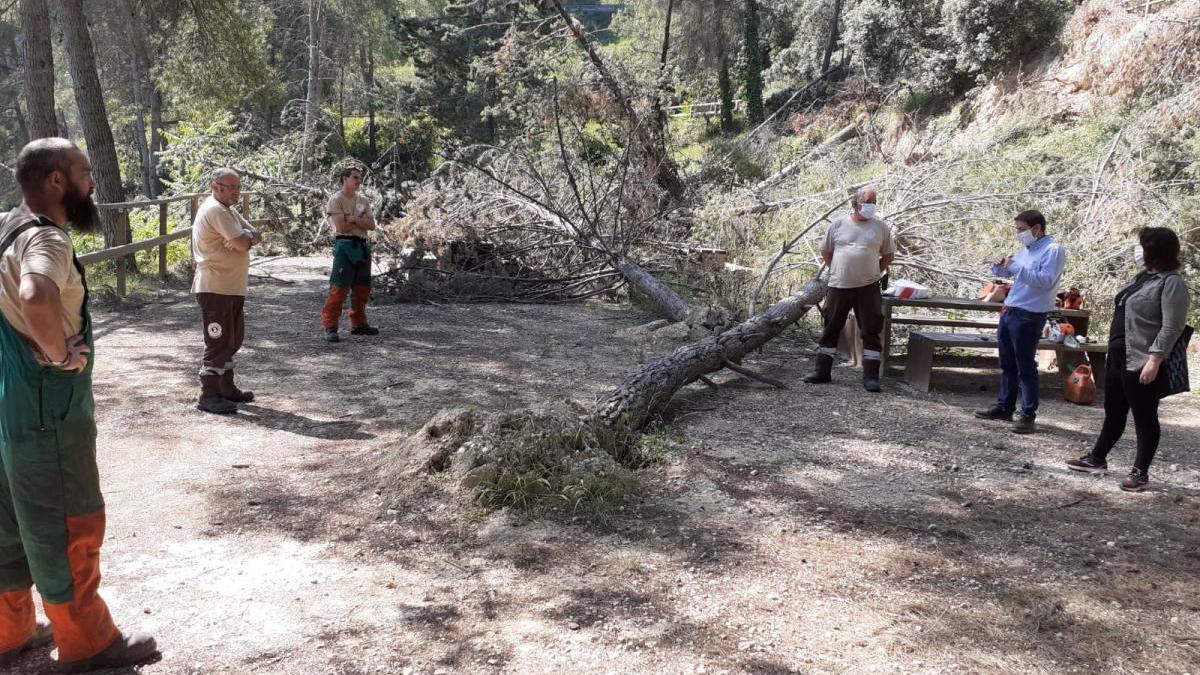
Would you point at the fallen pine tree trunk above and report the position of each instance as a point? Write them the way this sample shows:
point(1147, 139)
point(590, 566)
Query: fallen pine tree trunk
point(568, 457)
point(647, 392)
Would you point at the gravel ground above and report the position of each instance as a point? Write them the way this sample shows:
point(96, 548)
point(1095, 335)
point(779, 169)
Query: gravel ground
point(812, 529)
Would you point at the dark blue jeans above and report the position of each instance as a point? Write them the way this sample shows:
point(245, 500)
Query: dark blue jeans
point(1018, 336)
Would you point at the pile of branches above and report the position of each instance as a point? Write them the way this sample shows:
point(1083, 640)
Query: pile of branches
point(549, 220)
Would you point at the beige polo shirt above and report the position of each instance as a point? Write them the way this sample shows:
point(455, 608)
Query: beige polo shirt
point(345, 205)
point(43, 250)
point(219, 268)
point(857, 248)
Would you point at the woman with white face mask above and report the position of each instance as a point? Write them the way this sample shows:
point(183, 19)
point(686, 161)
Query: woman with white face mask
point(1148, 318)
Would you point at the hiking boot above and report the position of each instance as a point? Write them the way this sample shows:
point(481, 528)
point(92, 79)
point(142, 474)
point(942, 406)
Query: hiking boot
point(1136, 481)
point(126, 650)
point(871, 376)
point(230, 392)
point(994, 413)
point(364, 330)
point(1024, 425)
point(42, 636)
point(1088, 464)
point(331, 335)
point(216, 403)
point(211, 400)
point(822, 370)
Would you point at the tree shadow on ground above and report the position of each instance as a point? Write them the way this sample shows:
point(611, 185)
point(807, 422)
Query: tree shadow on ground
point(278, 420)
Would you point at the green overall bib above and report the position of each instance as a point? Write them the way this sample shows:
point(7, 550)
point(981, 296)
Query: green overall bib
point(51, 509)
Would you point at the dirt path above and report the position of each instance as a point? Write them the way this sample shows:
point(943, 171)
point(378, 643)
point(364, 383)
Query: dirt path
point(807, 530)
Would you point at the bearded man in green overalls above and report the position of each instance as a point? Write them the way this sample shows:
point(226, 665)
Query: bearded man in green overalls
point(51, 510)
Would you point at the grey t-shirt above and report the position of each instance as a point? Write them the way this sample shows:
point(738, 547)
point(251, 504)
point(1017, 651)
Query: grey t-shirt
point(857, 248)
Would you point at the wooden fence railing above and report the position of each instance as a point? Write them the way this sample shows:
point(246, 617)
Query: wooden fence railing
point(1145, 6)
point(121, 252)
point(706, 109)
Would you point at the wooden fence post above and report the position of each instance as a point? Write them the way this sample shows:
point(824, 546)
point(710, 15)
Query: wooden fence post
point(123, 226)
point(246, 207)
point(162, 250)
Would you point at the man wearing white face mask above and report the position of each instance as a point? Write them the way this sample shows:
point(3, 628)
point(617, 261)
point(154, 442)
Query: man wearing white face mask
point(858, 247)
point(1036, 270)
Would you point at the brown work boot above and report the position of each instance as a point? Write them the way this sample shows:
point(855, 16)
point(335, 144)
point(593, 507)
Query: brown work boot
point(229, 390)
point(126, 650)
point(211, 400)
point(822, 370)
point(42, 636)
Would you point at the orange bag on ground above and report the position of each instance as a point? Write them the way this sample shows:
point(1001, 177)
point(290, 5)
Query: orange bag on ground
point(1081, 386)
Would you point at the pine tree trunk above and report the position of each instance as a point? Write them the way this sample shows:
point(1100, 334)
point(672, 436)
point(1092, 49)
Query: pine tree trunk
point(648, 392)
point(752, 82)
point(725, 87)
point(39, 69)
point(665, 171)
point(158, 142)
point(89, 98)
point(22, 125)
point(372, 142)
point(831, 43)
point(143, 94)
point(660, 114)
point(312, 101)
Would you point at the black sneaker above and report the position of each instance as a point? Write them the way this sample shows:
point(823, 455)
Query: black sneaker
point(1088, 464)
point(1136, 481)
point(1024, 425)
point(994, 413)
point(364, 330)
point(331, 335)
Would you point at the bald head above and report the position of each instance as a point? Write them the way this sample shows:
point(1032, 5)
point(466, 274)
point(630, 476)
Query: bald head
point(42, 158)
point(56, 182)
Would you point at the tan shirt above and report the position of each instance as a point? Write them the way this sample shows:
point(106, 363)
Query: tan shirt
point(43, 250)
point(341, 204)
point(219, 268)
point(857, 248)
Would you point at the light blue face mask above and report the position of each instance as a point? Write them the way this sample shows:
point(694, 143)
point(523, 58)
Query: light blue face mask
point(1026, 238)
point(1139, 255)
point(867, 210)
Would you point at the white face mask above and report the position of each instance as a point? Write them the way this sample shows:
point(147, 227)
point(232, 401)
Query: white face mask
point(1139, 255)
point(867, 210)
point(1026, 237)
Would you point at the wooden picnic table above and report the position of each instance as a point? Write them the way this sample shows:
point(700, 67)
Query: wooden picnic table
point(1077, 317)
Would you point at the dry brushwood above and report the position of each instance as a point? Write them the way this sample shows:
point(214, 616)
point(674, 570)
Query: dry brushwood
point(570, 223)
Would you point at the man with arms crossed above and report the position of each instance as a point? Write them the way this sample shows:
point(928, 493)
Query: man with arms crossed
point(350, 215)
point(221, 241)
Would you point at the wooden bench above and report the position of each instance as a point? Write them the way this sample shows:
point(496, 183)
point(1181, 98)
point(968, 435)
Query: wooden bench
point(915, 320)
point(936, 305)
point(919, 365)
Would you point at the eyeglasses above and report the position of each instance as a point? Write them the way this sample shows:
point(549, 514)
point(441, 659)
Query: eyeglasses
point(235, 188)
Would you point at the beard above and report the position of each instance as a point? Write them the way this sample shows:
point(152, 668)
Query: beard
point(82, 212)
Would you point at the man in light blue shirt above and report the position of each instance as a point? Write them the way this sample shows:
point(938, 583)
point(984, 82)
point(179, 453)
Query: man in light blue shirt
point(1036, 270)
